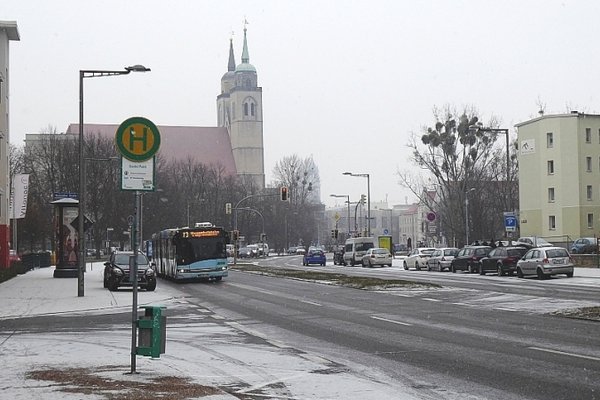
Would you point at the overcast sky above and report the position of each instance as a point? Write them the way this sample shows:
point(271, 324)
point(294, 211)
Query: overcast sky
point(347, 82)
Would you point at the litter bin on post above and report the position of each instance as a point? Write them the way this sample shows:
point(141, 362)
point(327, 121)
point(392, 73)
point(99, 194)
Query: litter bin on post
point(152, 332)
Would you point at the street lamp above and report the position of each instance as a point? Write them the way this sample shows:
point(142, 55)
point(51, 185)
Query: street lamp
point(368, 198)
point(347, 196)
point(467, 215)
point(89, 74)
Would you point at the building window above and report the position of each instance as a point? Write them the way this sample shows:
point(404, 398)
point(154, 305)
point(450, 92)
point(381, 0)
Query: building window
point(588, 135)
point(588, 164)
point(589, 192)
point(551, 195)
point(550, 167)
point(245, 109)
point(549, 139)
point(590, 221)
point(552, 222)
point(252, 109)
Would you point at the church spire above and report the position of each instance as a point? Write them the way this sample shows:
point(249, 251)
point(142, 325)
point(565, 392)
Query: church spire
point(245, 54)
point(231, 63)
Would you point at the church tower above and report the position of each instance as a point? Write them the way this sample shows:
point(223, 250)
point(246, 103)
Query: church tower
point(239, 108)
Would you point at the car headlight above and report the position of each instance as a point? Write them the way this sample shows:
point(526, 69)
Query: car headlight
point(118, 271)
point(149, 272)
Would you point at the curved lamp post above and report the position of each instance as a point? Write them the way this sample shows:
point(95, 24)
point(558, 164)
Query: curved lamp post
point(89, 73)
point(368, 198)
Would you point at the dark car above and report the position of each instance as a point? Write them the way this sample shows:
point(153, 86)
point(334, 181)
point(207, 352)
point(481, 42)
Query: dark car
point(314, 257)
point(338, 255)
point(502, 260)
point(116, 272)
point(468, 258)
point(245, 252)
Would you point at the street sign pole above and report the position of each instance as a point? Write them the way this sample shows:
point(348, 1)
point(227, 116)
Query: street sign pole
point(138, 140)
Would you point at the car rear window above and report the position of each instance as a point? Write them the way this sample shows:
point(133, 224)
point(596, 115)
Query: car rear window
point(380, 251)
point(427, 251)
point(517, 252)
point(450, 252)
point(556, 253)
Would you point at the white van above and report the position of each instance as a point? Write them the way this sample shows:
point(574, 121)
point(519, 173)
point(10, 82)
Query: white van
point(355, 249)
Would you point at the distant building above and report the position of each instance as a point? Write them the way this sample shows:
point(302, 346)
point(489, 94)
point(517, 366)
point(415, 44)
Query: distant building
point(8, 32)
point(235, 145)
point(559, 176)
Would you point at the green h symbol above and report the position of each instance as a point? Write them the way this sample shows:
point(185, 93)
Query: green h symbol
point(143, 139)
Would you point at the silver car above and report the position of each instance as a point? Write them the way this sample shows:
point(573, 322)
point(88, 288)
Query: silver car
point(441, 258)
point(377, 256)
point(417, 258)
point(544, 262)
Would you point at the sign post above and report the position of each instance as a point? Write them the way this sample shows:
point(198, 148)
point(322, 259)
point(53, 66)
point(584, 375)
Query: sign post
point(138, 140)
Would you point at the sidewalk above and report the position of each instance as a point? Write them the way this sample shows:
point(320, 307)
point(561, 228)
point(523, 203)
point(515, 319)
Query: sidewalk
point(206, 357)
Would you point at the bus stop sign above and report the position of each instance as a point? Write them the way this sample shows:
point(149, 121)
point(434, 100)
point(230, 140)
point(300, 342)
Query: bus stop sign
point(137, 139)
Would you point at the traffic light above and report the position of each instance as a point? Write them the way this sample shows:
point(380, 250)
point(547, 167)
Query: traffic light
point(363, 199)
point(227, 208)
point(235, 234)
point(284, 193)
point(333, 233)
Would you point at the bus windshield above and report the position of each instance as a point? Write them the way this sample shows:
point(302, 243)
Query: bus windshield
point(197, 249)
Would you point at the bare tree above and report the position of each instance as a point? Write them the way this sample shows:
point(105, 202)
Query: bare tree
point(458, 159)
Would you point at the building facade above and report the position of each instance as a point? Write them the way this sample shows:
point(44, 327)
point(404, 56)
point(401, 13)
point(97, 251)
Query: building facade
point(8, 32)
point(240, 110)
point(559, 176)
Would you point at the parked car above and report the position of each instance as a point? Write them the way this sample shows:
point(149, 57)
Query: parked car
point(13, 256)
point(116, 271)
point(468, 258)
point(585, 245)
point(417, 258)
point(533, 241)
point(502, 260)
point(291, 250)
point(314, 256)
point(300, 250)
point(400, 250)
point(377, 256)
point(441, 258)
point(544, 262)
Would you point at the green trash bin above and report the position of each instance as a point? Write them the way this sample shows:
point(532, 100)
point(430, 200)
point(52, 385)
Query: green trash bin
point(152, 332)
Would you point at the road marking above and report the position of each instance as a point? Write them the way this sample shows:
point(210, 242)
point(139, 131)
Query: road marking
point(311, 302)
point(252, 288)
point(391, 320)
point(429, 299)
point(565, 353)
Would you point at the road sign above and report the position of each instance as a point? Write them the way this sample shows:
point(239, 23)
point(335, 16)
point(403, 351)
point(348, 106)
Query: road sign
point(510, 222)
point(137, 139)
point(431, 216)
point(137, 175)
point(385, 232)
point(337, 217)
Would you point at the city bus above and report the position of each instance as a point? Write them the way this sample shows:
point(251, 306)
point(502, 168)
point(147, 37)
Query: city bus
point(198, 253)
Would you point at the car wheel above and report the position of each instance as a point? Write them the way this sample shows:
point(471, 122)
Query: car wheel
point(540, 274)
point(519, 273)
point(405, 266)
point(105, 281)
point(569, 274)
point(470, 268)
point(151, 287)
point(113, 285)
point(500, 270)
point(481, 270)
point(417, 266)
point(452, 269)
point(218, 278)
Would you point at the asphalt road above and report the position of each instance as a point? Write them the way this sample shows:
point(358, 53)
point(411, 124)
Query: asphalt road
point(478, 337)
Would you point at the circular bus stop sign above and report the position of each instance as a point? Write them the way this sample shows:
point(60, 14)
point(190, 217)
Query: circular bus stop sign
point(137, 139)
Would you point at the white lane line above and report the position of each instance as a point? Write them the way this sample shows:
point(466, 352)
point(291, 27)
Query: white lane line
point(254, 289)
point(565, 353)
point(391, 320)
point(429, 299)
point(311, 303)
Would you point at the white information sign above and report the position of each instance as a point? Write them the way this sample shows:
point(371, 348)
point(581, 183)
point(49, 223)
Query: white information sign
point(137, 175)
